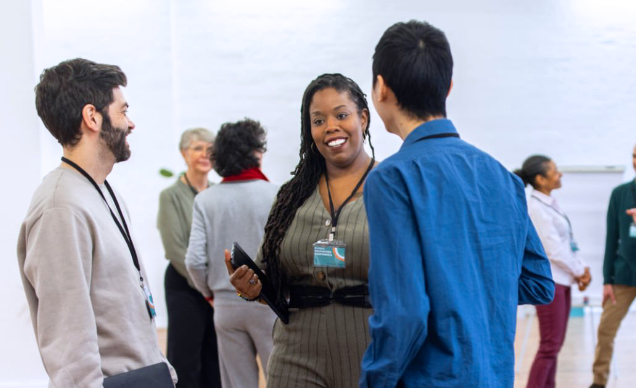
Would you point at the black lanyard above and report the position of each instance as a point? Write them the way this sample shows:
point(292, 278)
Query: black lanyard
point(191, 188)
point(123, 230)
point(336, 214)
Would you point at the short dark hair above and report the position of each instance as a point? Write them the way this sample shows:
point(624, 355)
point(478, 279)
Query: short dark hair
point(415, 61)
point(65, 89)
point(533, 166)
point(234, 147)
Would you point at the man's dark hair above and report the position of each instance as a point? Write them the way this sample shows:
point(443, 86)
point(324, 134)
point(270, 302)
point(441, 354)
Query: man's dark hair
point(65, 89)
point(415, 61)
point(234, 147)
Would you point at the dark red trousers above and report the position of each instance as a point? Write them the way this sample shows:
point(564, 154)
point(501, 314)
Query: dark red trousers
point(553, 323)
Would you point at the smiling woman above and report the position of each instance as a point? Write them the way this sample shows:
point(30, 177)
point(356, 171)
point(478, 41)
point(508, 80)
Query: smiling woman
point(335, 128)
point(315, 248)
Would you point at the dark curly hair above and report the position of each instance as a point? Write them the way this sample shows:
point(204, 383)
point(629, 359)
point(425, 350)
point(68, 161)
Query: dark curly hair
point(65, 89)
point(234, 147)
point(305, 177)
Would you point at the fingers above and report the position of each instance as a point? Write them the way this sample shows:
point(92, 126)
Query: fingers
point(228, 264)
point(250, 284)
point(609, 295)
point(256, 291)
point(246, 282)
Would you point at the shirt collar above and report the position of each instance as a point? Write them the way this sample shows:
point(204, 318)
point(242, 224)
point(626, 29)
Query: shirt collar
point(433, 127)
point(548, 200)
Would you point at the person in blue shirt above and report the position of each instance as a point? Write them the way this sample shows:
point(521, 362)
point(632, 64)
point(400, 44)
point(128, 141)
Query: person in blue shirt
point(452, 248)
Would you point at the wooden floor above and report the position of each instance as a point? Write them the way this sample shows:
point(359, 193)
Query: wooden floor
point(577, 355)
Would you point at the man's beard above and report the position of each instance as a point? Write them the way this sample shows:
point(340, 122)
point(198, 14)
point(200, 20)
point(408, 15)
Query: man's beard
point(115, 139)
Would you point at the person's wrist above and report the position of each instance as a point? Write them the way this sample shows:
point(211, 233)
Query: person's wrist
point(209, 298)
point(246, 298)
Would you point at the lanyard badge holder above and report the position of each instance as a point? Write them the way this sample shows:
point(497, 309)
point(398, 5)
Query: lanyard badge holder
point(574, 246)
point(330, 252)
point(150, 304)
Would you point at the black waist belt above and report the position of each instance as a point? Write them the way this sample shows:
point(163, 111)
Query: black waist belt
point(303, 297)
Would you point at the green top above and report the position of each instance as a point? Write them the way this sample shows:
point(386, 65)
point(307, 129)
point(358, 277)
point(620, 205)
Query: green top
point(619, 266)
point(174, 221)
point(312, 222)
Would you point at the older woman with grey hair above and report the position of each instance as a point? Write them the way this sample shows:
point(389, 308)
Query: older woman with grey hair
point(192, 348)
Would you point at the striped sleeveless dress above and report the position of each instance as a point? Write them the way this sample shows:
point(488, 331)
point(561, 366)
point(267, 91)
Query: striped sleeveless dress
point(322, 347)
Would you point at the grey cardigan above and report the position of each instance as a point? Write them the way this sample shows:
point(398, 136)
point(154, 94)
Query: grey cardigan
point(223, 214)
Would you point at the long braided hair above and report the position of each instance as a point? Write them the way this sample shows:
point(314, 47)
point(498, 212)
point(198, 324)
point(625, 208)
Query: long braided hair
point(305, 177)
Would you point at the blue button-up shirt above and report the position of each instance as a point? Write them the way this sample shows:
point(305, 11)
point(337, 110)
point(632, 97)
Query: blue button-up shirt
point(453, 252)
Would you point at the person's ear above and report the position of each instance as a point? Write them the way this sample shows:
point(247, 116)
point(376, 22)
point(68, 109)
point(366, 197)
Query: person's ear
point(449, 89)
point(540, 180)
point(381, 89)
point(364, 120)
point(91, 118)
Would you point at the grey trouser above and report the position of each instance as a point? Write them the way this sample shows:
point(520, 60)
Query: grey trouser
point(243, 330)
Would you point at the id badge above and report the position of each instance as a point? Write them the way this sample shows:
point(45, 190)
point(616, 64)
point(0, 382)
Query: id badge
point(574, 246)
point(150, 304)
point(632, 230)
point(329, 254)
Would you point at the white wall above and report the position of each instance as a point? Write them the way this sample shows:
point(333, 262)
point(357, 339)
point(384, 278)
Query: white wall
point(19, 358)
point(587, 213)
point(546, 76)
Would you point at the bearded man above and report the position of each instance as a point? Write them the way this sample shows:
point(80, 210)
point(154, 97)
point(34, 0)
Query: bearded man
point(87, 290)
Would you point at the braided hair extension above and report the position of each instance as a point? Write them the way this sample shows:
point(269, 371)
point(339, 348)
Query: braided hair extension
point(305, 177)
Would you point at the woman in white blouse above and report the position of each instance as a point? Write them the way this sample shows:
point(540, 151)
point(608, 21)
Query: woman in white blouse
point(555, 231)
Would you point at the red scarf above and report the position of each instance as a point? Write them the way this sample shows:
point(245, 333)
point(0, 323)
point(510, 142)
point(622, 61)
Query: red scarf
point(246, 175)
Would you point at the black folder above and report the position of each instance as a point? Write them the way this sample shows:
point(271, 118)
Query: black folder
point(153, 376)
point(268, 293)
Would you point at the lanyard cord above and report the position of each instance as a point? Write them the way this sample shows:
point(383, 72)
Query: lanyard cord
point(336, 214)
point(559, 213)
point(123, 230)
point(185, 175)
